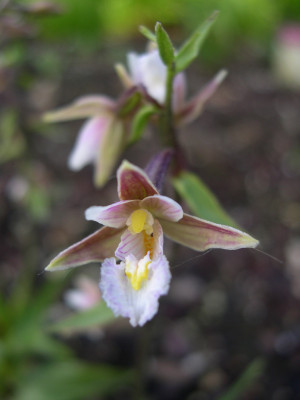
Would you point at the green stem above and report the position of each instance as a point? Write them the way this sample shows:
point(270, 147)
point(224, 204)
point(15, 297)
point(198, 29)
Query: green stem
point(168, 126)
point(168, 130)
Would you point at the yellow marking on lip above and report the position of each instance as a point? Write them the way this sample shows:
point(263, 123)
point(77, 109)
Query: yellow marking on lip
point(137, 273)
point(148, 243)
point(138, 220)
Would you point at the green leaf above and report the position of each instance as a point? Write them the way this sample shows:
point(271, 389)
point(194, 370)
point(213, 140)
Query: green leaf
point(71, 380)
point(200, 199)
point(147, 33)
point(128, 104)
point(165, 46)
point(190, 49)
point(139, 121)
point(96, 316)
point(253, 372)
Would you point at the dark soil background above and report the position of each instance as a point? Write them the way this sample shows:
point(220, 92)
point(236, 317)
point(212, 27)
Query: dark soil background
point(225, 309)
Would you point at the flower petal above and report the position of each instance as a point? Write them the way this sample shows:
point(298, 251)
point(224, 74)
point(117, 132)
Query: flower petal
point(109, 151)
point(96, 247)
point(137, 305)
point(201, 235)
point(157, 167)
point(137, 246)
point(85, 295)
point(133, 183)
point(123, 76)
point(148, 69)
point(84, 107)
point(131, 244)
point(88, 142)
point(194, 107)
point(114, 215)
point(162, 207)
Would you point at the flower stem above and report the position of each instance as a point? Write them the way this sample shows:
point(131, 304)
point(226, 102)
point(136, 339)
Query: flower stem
point(168, 131)
point(168, 126)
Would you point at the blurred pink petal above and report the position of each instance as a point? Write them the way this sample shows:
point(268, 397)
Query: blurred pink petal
point(192, 109)
point(88, 142)
point(85, 295)
point(84, 107)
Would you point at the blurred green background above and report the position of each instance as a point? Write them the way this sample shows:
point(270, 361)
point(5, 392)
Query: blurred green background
point(93, 21)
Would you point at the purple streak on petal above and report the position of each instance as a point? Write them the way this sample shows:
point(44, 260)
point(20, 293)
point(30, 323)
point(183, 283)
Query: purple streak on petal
point(135, 244)
point(133, 183)
point(199, 234)
point(131, 244)
point(157, 167)
point(88, 142)
point(162, 207)
point(114, 215)
point(96, 247)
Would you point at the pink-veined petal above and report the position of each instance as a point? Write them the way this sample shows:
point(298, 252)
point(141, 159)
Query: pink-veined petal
point(114, 215)
point(140, 243)
point(138, 305)
point(162, 207)
point(108, 153)
point(195, 106)
point(84, 107)
point(96, 247)
point(201, 235)
point(88, 142)
point(131, 244)
point(133, 183)
point(179, 92)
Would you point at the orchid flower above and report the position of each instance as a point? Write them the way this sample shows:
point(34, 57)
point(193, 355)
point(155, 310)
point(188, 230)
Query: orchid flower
point(84, 296)
point(133, 233)
point(93, 144)
point(148, 71)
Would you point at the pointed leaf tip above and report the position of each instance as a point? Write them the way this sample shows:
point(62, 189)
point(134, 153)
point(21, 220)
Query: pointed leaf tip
point(147, 33)
point(165, 46)
point(190, 49)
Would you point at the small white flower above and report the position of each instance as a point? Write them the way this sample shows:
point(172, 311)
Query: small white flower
point(148, 69)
